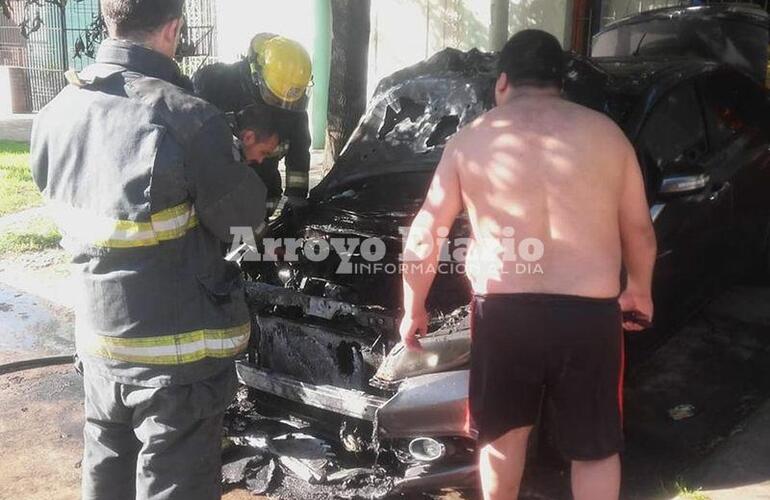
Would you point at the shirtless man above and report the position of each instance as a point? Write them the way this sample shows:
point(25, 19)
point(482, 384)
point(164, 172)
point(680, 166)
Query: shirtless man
point(565, 179)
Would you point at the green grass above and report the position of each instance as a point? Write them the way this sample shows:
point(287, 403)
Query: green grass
point(17, 190)
point(687, 493)
point(38, 234)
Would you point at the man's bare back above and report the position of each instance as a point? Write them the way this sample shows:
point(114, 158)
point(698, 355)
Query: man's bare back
point(534, 168)
point(556, 203)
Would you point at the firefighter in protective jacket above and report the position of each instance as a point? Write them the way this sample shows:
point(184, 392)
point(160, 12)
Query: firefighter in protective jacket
point(140, 176)
point(276, 74)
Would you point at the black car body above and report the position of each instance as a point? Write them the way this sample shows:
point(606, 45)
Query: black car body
point(326, 342)
point(731, 33)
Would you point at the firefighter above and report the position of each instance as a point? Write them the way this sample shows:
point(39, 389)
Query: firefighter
point(141, 178)
point(276, 74)
point(255, 135)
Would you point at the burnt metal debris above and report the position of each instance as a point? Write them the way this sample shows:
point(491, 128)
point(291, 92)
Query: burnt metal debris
point(284, 456)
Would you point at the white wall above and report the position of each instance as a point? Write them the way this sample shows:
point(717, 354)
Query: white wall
point(6, 98)
point(553, 16)
point(239, 20)
point(404, 32)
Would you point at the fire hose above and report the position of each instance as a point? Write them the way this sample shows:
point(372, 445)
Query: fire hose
point(28, 364)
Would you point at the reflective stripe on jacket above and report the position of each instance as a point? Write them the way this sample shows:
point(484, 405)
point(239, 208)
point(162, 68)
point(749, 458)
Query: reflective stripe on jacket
point(101, 231)
point(141, 181)
point(176, 349)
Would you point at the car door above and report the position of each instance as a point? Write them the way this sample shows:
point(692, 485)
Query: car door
point(673, 143)
point(738, 122)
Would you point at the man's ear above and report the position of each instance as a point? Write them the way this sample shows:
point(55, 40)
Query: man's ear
point(502, 83)
point(248, 137)
point(170, 31)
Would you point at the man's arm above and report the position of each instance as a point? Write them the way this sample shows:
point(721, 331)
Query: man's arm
point(226, 193)
point(298, 157)
point(423, 245)
point(639, 247)
point(218, 84)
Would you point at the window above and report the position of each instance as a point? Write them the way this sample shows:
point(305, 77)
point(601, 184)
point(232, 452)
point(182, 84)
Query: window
point(674, 132)
point(732, 103)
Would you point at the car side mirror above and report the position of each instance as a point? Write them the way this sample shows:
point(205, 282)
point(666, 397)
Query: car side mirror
point(678, 185)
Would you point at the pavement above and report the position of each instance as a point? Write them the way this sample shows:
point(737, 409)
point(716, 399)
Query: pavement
point(739, 467)
point(41, 421)
point(32, 326)
point(16, 127)
point(41, 410)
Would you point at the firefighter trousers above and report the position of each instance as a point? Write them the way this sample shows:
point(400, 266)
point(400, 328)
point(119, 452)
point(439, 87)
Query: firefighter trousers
point(154, 443)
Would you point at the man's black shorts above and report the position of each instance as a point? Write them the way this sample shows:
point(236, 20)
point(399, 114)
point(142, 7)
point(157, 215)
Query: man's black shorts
point(565, 352)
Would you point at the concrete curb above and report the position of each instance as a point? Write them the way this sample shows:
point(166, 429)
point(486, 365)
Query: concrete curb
point(16, 127)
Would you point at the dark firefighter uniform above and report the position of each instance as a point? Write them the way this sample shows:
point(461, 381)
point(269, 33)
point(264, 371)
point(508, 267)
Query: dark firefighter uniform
point(140, 177)
point(232, 87)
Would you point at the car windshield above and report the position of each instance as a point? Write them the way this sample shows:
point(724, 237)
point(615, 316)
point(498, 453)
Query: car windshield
point(732, 35)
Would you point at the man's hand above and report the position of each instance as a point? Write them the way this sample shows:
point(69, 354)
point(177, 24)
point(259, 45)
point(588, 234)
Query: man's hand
point(639, 248)
point(412, 326)
point(637, 308)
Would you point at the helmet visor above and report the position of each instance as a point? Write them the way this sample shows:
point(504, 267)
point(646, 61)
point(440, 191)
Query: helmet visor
point(291, 98)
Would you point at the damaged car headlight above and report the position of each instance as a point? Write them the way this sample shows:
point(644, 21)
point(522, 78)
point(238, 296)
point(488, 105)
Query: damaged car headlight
point(449, 348)
point(425, 449)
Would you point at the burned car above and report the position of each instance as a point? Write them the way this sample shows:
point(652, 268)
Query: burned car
point(325, 340)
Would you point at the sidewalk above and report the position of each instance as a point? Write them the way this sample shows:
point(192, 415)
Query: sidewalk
point(740, 467)
point(16, 127)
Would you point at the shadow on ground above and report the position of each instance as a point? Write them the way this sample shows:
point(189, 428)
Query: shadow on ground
point(687, 406)
point(697, 411)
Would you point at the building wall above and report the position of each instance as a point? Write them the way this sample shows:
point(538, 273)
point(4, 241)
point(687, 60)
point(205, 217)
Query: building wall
point(239, 20)
point(14, 83)
point(403, 32)
point(407, 31)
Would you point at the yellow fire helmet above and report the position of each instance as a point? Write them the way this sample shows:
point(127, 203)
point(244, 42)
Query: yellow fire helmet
point(282, 71)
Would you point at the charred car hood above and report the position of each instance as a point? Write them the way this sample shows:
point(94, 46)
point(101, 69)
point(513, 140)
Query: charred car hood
point(410, 117)
point(416, 110)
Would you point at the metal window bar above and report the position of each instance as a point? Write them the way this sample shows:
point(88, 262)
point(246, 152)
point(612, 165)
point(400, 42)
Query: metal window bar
point(44, 56)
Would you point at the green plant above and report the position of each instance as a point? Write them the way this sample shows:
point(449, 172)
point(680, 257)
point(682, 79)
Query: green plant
point(685, 492)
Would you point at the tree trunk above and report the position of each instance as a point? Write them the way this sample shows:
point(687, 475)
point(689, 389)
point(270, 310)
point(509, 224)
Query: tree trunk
point(498, 25)
point(347, 79)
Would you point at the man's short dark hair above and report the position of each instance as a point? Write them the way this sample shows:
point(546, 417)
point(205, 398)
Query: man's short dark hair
point(532, 57)
point(138, 18)
point(260, 120)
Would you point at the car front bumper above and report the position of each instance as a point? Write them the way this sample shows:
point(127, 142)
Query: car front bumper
point(433, 406)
